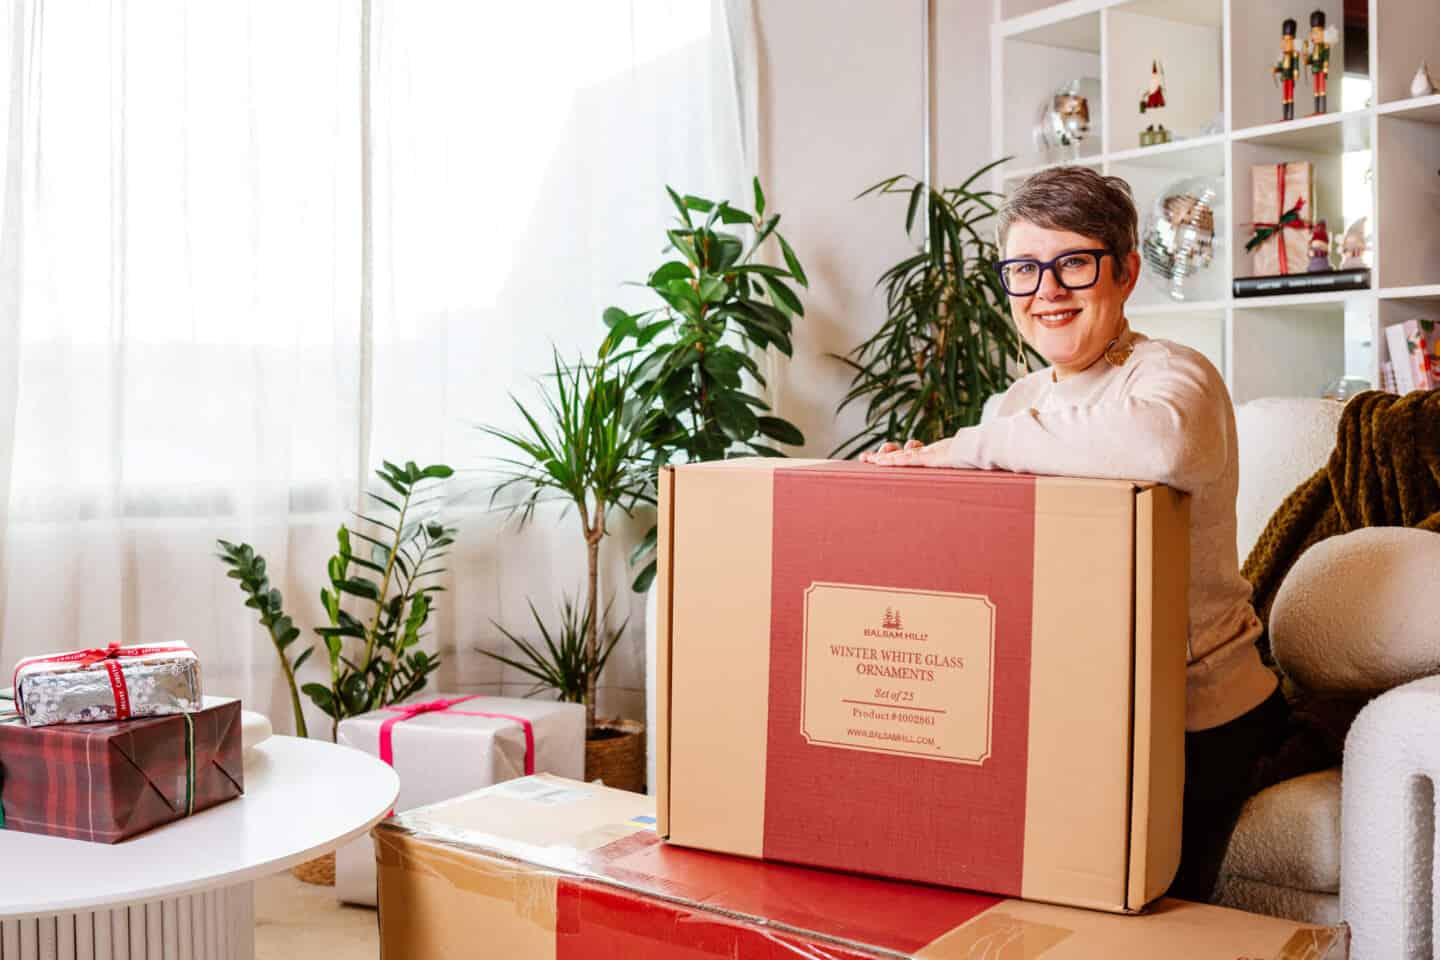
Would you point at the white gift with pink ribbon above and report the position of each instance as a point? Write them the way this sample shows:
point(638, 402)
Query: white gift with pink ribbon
point(446, 745)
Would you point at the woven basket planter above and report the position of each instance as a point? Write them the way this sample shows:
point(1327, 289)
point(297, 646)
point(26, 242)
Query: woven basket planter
point(320, 871)
point(617, 757)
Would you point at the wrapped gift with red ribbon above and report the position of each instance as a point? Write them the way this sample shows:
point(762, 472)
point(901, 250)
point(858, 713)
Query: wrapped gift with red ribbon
point(108, 683)
point(448, 745)
point(106, 782)
point(1283, 206)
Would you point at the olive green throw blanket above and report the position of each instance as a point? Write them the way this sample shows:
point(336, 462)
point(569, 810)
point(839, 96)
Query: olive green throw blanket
point(1385, 471)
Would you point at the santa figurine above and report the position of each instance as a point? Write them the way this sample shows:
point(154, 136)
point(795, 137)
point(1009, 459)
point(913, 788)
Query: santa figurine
point(1319, 249)
point(1154, 96)
point(1287, 68)
point(1317, 55)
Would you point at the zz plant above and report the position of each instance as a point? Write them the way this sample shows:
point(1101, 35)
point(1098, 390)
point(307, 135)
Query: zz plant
point(372, 638)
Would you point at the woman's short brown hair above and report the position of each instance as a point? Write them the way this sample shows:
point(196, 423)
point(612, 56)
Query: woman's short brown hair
point(1079, 200)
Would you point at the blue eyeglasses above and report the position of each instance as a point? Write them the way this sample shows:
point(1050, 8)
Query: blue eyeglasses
point(1073, 270)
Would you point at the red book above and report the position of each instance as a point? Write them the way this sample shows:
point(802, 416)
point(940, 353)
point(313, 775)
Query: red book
point(106, 782)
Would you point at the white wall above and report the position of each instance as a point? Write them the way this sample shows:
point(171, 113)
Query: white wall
point(841, 107)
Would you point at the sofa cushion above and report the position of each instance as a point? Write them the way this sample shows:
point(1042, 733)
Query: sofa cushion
point(1289, 835)
point(1287, 903)
point(1353, 616)
point(1282, 441)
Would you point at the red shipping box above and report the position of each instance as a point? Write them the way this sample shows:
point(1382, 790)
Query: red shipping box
point(549, 869)
point(107, 782)
point(967, 678)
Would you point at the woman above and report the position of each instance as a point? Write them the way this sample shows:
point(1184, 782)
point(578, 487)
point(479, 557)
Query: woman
point(1116, 404)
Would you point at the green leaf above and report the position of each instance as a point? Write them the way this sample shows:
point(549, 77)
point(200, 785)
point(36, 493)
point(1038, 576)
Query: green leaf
point(781, 430)
point(713, 290)
point(671, 270)
point(759, 199)
point(730, 215)
point(359, 587)
point(915, 196)
point(680, 206)
point(321, 696)
point(784, 295)
point(793, 263)
point(300, 660)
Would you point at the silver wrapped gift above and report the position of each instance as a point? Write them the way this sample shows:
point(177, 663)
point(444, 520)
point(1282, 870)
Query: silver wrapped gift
point(110, 683)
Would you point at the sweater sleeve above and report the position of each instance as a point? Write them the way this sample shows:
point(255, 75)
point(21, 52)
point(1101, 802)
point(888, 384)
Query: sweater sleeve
point(1167, 426)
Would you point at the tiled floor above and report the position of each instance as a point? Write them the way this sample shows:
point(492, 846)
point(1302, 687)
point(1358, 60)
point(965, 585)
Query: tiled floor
point(294, 919)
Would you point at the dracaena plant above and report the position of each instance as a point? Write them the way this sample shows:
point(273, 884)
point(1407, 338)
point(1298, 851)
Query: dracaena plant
point(561, 660)
point(377, 604)
point(947, 343)
point(583, 446)
point(719, 308)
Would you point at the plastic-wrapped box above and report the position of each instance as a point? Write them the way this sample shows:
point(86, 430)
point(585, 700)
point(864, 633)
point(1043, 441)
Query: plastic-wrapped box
point(549, 869)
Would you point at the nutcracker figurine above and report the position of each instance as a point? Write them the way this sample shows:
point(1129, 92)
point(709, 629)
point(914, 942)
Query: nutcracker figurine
point(1317, 56)
point(1287, 67)
point(1319, 249)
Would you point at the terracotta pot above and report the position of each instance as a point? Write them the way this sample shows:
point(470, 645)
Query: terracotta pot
point(617, 756)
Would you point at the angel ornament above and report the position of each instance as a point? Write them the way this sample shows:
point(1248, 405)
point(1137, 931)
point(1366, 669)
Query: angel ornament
point(1353, 247)
point(1422, 85)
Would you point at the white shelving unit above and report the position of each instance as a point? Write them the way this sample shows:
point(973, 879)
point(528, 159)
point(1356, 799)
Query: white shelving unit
point(1225, 110)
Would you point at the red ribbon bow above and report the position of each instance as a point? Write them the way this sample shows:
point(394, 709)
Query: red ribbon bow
point(110, 656)
point(411, 710)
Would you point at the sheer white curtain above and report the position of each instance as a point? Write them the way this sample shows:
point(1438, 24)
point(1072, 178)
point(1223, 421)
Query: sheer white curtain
point(197, 340)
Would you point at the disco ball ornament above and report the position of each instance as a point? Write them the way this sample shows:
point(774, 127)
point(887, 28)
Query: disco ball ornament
point(1179, 238)
point(1065, 117)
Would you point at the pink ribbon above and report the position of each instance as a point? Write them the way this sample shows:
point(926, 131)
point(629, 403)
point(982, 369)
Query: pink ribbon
point(110, 657)
point(411, 710)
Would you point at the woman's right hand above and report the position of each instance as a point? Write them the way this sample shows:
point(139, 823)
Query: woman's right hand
point(889, 446)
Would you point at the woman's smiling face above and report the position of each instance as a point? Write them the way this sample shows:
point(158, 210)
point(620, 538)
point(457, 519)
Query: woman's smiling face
point(1070, 328)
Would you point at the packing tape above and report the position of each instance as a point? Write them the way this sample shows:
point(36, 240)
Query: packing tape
point(529, 890)
point(1314, 943)
point(995, 935)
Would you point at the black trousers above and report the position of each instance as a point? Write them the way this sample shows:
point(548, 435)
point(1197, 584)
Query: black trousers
point(1222, 771)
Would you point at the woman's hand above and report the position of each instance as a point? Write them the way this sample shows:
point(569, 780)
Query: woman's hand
point(915, 454)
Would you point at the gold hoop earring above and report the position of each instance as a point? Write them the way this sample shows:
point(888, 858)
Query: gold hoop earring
point(1021, 360)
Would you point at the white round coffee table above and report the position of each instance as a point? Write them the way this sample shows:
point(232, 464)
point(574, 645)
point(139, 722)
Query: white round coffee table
point(184, 890)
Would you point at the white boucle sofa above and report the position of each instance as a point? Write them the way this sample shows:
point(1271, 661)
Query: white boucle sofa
point(1358, 616)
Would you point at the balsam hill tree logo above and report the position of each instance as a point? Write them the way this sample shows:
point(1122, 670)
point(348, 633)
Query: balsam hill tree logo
point(892, 627)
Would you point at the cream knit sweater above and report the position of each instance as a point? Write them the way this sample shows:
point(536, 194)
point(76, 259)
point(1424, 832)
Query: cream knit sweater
point(1161, 414)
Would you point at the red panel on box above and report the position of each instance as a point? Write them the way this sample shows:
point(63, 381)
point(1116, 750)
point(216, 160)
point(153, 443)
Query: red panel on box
point(954, 532)
point(601, 923)
point(895, 916)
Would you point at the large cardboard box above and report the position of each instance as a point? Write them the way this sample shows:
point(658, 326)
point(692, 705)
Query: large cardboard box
point(549, 869)
point(967, 678)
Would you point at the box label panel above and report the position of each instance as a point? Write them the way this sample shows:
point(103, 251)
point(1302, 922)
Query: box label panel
point(898, 671)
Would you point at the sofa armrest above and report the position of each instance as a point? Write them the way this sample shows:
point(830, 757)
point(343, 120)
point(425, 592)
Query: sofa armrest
point(1356, 615)
point(1387, 811)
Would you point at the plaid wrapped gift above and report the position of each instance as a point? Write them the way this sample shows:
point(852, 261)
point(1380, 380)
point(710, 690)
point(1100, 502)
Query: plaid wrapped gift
point(107, 782)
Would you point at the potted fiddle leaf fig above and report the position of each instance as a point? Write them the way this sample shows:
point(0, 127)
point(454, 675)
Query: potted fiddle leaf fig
point(947, 343)
point(719, 307)
point(584, 447)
